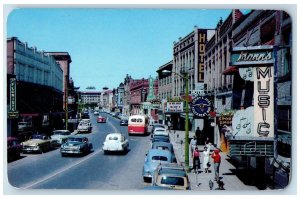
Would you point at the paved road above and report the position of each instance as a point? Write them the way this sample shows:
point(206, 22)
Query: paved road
point(94, 171)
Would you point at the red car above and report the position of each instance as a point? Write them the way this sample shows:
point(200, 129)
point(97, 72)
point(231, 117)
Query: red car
point(101, 119)
point(14, 148)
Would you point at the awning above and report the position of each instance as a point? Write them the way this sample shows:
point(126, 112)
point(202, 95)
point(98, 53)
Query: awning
point(230, 70)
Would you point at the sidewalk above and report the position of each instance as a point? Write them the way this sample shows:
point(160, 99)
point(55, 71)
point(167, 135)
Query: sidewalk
point(200, 182)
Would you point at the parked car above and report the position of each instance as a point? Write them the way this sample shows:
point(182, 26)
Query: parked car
point(154, 157)
point(152, 127)
point(115, 142)
point(172, 176)
point(96, 112)
point(38, 143)
point(160, 131)
point(84, 127)
point(23, 126)
point(59, 137)
point(165, 146)
point(14, 148)
point(160, 138)
point(76, 145)
point(101, 119)
point(124, 122)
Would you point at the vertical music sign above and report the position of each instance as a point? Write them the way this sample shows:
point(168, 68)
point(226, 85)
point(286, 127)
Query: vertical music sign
point(264, 101)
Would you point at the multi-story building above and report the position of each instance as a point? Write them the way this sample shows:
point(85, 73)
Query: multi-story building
point(39, 86)
point(126, 107)
point(260, 32)
point(120, 94)
point(90, 98)
point(219, 86)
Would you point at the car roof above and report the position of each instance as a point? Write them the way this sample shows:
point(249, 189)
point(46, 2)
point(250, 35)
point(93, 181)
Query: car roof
point(159, 129)
point(171, 169)
point(155, 144)
point(114, 134)
point(77, 136)
point(153, 152)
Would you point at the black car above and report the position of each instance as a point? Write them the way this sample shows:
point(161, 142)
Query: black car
point(123, 122)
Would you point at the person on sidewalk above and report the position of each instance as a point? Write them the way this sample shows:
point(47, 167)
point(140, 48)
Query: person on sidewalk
point(206, 162)
point(196, 160)
point(198, 135)
point(193, 144)
point(217, 161)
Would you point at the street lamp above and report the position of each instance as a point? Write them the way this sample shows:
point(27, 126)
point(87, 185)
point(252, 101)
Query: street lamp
point(186, 145)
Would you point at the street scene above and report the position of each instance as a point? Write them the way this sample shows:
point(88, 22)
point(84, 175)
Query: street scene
point(149, 100)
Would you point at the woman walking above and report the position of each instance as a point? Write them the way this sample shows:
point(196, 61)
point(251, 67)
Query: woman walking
point(206, 163)
point(196, 160)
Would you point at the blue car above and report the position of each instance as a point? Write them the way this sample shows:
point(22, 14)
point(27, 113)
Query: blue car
point(155, 157)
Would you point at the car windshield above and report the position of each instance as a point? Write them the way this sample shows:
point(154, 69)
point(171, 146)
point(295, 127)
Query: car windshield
point(113, 138)
point(37, 137)
point(172, 181)
point(162, 148)
point(61, 133)
point(159, 158)
point(75, 139)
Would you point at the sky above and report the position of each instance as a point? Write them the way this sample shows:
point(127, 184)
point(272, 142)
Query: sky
point(106, 44)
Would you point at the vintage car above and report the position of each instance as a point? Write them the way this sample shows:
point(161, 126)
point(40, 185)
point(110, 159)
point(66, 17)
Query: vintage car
point(14, 148)
point(154, 157)
point(84, 127)
point(124, 122)
point(38, 143)
point(59, 137)
point(160, 131)
point(165, 146)
point(115, 142)
point(153, 126)
point(101, 119)
point(76, 145)
point(160, 138)
point(171, 175)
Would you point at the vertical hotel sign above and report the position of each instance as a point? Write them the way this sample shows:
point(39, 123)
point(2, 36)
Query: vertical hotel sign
point(12, 113)
point(202, 37)
point(261, 60)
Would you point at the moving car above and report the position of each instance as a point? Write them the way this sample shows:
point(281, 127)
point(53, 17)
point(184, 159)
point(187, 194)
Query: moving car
point(96, 112)
point(38, 143)
point(124, 122)
point(84, 127)
point(101, 119)
point(154, 157)
point(14, 148)
point(172, 176)
point(76, 145)
point(59, 137)
point(115, 142)
point(165, 146)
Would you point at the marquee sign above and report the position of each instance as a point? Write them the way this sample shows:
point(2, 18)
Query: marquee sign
point(200, 106)
point(245, 56)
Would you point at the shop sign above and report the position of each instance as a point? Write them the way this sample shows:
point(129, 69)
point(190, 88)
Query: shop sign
point(252, 55)
point(13, 113)
point(225, 119)
point(174, 107)
point(200, 106)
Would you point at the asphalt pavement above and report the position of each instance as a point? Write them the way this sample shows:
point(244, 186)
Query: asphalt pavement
point(205, 181)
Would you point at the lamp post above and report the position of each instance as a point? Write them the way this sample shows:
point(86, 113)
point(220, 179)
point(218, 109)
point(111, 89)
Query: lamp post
point(186, 144)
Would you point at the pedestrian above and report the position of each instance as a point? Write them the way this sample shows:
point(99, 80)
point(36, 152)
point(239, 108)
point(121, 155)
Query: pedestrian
point(169, 125)
point(196, 160)
point(217, 161)
point(206, 162)
point(198, 136)
point(193, 144)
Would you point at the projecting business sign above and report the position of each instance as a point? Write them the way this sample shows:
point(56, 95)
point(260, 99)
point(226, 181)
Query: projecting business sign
point(200, 106)
point(174, 107)
point(245, 56)
point(12, 113)
point(260, 61)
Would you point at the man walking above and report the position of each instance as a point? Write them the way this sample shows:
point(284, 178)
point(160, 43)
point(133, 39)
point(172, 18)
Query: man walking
point(217, 161)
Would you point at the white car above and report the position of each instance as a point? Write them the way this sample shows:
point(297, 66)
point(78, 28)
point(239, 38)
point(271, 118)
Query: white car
point(84, 127)
point(59, 137)
point(115, 142)
point(160, 131)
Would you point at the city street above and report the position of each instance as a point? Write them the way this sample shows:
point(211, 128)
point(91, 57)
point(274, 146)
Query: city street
point(94, 171)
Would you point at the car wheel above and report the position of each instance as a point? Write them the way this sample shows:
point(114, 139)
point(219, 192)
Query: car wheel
point(105, 152)
point(63, 155)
